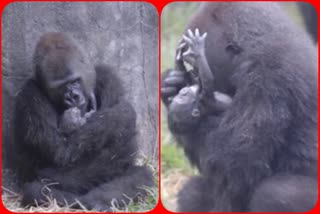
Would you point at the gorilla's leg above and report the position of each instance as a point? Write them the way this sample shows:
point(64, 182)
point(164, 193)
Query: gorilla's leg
point(40, 192)
point(130, 186)
point(285, 193)
point(100, 169)
point(195, 196)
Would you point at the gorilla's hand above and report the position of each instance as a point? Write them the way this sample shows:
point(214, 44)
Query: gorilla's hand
point(171, 83)
point(72, 120)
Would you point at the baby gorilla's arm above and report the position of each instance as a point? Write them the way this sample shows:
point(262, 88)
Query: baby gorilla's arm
point(208, 100)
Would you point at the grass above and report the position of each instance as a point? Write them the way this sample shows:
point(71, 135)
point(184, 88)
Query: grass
point(12, 203)
point(11, 200)
point(173, 158)
point(149, 203)
point(175, 172)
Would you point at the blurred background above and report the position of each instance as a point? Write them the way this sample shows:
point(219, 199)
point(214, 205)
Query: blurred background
point(175, 168)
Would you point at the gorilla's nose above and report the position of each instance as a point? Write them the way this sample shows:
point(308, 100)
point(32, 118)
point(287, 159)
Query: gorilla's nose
point(75, 97)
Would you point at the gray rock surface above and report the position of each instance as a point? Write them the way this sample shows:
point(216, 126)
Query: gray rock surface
point(123, 35)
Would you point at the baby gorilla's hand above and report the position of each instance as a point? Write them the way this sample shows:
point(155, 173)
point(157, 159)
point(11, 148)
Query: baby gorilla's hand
point(196, 46)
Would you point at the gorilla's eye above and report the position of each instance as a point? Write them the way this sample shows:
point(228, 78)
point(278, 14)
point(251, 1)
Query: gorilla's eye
point(233, 49)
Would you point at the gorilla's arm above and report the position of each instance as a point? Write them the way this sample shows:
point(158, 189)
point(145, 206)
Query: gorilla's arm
point(172, 80)
point(100, 167)
point(115, 119)
point(36, 121)
point(36, 124)
point(239, 148)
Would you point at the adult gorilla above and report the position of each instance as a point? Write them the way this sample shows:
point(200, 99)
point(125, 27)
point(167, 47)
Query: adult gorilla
point(258, 152)
point(75, 132)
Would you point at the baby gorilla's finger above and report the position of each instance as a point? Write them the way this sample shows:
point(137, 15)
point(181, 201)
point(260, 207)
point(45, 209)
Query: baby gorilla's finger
point(169, 91)
point(187, 39)
point(190, 33)
point(204, 36)
point(197, 33)
point(178, 57)
point(189, 52)
point(181, 45)
point(179, 50)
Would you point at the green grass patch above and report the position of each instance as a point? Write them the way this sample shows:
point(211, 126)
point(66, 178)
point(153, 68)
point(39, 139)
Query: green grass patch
point(173, 157)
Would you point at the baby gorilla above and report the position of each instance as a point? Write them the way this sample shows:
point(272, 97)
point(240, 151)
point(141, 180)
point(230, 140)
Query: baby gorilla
point(198, 100)
point(71, 120)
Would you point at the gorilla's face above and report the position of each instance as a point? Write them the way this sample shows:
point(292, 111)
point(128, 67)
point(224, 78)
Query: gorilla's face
point(73, 94)
point(63, 82)
point(68, 92)
point(65, 73)
point(63, 79)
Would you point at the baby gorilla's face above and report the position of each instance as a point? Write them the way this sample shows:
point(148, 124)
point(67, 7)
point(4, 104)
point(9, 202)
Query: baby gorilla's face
point(185, 101)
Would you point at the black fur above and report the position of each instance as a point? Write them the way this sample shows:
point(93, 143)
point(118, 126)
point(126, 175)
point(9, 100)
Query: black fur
point(94, 164)
point(310, 18)
point(265, 142)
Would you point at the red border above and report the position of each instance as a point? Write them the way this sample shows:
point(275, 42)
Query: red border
point(159, 6)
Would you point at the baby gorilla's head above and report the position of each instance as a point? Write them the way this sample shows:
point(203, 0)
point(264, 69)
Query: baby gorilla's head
point(186, 101)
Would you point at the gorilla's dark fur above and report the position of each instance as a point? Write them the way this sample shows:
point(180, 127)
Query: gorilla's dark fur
point(95, 163)
point(260, 153)
point(310, 18)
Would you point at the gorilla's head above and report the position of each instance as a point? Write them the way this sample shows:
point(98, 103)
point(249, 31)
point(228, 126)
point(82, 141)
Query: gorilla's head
point(241, 34)
point(64, 72)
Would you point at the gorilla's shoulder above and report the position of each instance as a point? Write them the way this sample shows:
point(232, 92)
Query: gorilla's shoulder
point(30, 88)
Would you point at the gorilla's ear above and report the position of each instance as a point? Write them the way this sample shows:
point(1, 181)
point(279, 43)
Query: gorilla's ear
point(234, 49)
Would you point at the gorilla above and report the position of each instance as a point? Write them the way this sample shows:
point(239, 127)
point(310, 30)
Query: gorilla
point(75, 132)
point(255, 145)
